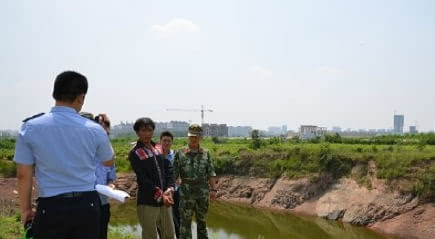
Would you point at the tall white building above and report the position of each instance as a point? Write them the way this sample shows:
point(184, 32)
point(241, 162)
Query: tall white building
point(399, 121)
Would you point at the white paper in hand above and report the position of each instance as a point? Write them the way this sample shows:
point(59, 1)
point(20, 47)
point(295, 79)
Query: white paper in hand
point(112, 193)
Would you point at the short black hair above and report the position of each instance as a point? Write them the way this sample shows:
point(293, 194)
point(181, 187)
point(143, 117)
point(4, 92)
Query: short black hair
point(167, 134)
point(68, 85)
point(143, 122)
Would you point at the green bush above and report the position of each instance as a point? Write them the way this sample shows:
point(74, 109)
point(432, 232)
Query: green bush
point(116, 233)
point(256, 142)
point(7, 168)
point(10, 227)
point(396, 157)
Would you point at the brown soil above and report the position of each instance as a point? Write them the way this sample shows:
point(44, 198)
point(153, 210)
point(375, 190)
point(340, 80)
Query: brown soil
point(381, 210)
point(418, 223)
point(9, 194)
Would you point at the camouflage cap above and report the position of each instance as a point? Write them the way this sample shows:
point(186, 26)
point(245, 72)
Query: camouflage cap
point(87, 115)
point(194, 130)
point(96, 119)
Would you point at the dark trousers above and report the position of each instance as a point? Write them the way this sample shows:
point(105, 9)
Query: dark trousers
point(104, 220)
point(68, 216)
point(176, 214)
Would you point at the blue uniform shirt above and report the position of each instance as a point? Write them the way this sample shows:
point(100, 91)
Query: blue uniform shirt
point(170, 157)
point(65, 148)
point(104, 175)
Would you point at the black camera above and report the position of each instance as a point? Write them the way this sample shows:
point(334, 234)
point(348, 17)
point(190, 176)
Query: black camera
point(105, 124)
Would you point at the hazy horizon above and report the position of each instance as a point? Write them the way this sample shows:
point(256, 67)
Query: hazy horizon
point(341, 63)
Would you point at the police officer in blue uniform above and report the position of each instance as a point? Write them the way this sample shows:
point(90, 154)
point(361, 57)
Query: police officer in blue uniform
point(63, 149)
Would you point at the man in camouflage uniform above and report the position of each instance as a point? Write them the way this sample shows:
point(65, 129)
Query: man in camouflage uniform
point(194, 167)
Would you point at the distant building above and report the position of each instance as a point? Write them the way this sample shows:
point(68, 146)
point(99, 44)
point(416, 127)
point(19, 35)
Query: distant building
point(413, 130)
point(262, 133)
point(276, 130)
point(161, 126)
point(178, 126)
point(336, 129)
point(399, 121)
point(292, 133)
point(311, 131)
point(122, 129)
point(284, 130)
point(8, 133)
point(215, 130)
point(273, 131)
point(239, 131)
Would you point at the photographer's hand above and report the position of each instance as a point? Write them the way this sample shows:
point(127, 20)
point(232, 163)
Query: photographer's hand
point(104, 121)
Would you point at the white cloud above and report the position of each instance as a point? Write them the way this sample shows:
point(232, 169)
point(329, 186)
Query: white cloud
point(329, 70)
point(261, 71)
point(174, 27)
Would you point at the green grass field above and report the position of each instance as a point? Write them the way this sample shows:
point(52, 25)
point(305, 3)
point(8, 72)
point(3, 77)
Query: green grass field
point(404, 159)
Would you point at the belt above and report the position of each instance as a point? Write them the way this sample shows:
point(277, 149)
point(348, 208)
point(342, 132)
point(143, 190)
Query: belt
point(71, 195)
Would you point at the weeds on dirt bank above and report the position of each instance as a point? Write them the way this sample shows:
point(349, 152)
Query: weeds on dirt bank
point(407, 162)
point(10, 225)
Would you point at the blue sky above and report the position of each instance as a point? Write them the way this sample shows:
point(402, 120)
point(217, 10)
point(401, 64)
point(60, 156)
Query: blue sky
point(260, 63)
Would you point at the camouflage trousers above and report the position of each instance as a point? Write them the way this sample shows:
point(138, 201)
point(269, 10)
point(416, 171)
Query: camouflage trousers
point(191, 203)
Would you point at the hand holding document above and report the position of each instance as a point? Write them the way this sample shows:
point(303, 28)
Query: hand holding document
point(112, 193)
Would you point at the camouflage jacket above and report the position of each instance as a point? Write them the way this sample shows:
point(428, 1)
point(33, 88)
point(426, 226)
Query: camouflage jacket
point(193, 167)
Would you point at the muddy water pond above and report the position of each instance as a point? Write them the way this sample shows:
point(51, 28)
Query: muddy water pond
point(228, 221)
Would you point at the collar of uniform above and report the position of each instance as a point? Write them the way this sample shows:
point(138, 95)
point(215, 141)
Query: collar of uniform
point(188, 150)
point(63, 109)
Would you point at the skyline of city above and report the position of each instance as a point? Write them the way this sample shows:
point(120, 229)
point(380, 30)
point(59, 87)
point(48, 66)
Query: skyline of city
point(178, 126)
point(331, 127)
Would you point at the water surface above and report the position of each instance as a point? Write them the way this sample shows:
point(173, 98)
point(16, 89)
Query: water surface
point(227, 221)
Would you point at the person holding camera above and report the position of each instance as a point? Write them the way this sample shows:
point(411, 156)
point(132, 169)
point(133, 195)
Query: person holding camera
point(155, 181)
point(63, 148)
point(106, 175)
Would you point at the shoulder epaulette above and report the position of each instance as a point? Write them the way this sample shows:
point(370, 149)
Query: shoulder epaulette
point(33, 117)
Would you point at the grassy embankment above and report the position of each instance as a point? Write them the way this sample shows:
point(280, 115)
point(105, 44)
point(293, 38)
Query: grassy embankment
point(406, 162)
